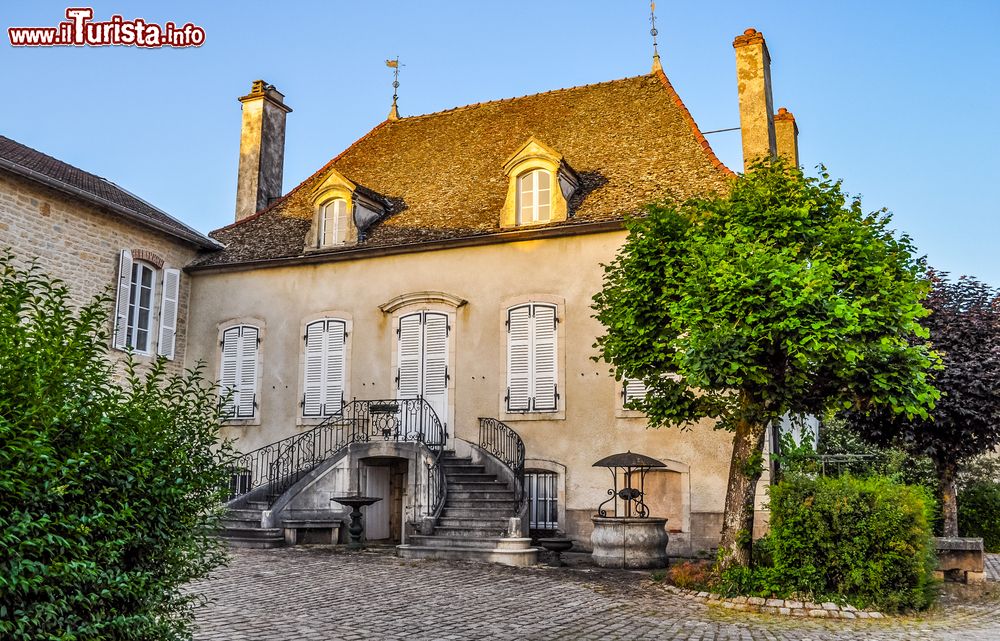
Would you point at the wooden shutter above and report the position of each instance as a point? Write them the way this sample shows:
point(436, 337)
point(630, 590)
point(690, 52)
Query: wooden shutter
point(313, 383)
point(334, 370)
point(124, 291)
point(245, 407)
point(519, 359)
point(229, 370)
point(408, 373)
point(544, 358)
point(633, 389)
point(435, 354)
point(167, 343)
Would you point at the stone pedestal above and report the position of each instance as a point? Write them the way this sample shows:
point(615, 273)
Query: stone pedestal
point(629, 542)
point(961, 558)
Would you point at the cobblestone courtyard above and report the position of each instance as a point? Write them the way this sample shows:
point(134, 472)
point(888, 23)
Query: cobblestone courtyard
point(313, 593)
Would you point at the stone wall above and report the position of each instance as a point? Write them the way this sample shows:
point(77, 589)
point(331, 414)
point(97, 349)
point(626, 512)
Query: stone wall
point(80, 244)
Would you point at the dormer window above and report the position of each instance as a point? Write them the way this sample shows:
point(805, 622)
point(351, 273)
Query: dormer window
point(333, 223)
point(541, 185)
point(534, 197)
point(342, 212)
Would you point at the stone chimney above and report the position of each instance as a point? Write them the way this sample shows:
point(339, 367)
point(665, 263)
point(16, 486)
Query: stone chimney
point(786, 135)
point(262, 149)
point(753, 78)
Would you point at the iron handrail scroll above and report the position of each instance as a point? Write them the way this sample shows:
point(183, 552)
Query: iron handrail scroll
point(505, 444)
point(279, 465)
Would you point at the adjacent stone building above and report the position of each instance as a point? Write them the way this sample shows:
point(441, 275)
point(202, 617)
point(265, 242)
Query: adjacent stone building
point(98, 238)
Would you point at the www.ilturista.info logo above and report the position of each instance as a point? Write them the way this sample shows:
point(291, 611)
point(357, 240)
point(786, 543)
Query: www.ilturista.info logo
point(79, 30)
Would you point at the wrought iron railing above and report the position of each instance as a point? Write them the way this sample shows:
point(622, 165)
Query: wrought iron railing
point(280, 465)
point(505, 444)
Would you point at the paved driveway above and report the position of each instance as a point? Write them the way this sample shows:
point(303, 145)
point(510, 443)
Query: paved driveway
point(313, 593)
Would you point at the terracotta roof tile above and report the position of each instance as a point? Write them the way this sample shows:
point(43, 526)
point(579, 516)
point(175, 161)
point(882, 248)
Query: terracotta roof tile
point(631, 141)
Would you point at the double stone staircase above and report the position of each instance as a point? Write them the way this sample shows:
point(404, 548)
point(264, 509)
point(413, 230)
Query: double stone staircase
point(476, 521)
point(241, 527)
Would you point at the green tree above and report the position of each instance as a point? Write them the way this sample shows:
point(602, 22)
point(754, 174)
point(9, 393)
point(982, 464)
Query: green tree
point(964, 327)
point(781, 296)
point(107, 487)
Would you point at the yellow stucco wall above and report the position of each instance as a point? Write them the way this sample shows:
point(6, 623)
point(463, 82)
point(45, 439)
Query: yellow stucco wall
point(566, 268)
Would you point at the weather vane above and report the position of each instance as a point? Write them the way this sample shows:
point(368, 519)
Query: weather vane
point(394, 65)
point(652, 21)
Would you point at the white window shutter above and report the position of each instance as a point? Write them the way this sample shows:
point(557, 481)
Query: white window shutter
point(247, 381)
point(124, 291)
point(519, 359)
point(312, 388)
point(435, 354)
point(408, 375)
point(228, 371)
point(544, 358)
point(167, 343)
point(633, 389)
point(334, 366)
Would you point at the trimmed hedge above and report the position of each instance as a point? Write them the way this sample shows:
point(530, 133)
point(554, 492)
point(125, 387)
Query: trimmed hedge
point(979, 513)
point(866, 542)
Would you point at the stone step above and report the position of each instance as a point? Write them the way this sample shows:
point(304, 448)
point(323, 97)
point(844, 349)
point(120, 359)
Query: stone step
point(493, 504)
point(473, 486)
point(252, 537)
point(492, 521)
point(464, 468)
point(468, 532)
point(479, 542)
point(256, 505)
point(471, 477)
point(243, 513)
point(490, 513)
point(240, 524)
point(476, 495)
point(519, 558)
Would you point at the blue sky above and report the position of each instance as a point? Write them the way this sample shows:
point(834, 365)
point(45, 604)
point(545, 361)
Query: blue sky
point(900, 99)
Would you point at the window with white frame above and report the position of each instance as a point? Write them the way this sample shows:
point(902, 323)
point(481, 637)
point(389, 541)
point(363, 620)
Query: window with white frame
point(532, 366)
point(333, 223)
point(324, 367)
point(633, 389)
point(238, 372)
point(534, 197)
point(135, 324)
point(542, 491)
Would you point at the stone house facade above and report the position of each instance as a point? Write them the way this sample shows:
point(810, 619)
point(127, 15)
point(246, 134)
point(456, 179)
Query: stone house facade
point(453, 257)
point(78, 226)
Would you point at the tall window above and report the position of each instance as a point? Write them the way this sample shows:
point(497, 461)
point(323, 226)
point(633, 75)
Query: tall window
point(532, 377)
point(323, 378)
point(238, 371)
point(333, 223)
point(140, 307)
point(534, 197)
point(543, 500)
point(134, 321)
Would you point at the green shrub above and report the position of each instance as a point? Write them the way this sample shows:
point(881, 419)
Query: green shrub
point(979, 513)
point(862, 541)
point(107, 491)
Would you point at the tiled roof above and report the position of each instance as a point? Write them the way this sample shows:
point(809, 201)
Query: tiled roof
point(34, 165)
point(631, 141)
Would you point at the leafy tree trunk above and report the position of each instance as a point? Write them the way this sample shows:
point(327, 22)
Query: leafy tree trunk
point(949, 497)
point(744, 472)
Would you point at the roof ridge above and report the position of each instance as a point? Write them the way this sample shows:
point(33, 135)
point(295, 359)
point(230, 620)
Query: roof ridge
point(700, 137)
point(521, 97)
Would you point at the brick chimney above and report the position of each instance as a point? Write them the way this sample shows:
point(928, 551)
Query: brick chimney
point(786, 135)
point(262, 149)
point(753, 78)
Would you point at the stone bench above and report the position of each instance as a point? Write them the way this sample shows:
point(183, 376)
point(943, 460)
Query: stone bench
point(960, 558)
point(323, 531)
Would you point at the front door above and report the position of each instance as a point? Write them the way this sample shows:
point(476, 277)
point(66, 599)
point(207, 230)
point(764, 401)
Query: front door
point(422, 353)
point(377, 514)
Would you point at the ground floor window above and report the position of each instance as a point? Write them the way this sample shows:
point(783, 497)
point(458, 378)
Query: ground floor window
point(543, 500)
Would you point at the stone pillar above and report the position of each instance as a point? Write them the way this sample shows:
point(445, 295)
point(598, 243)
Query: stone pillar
point(753, 78)
point(262, 149)
point(786, 135)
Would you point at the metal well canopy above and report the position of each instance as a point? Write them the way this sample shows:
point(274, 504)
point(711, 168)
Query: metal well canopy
point(629, 459)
